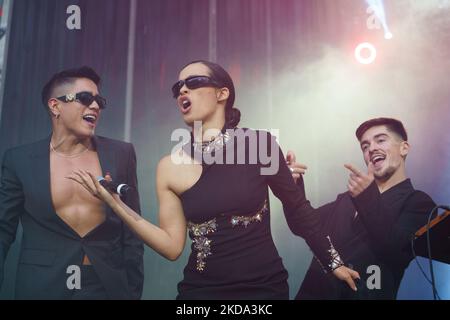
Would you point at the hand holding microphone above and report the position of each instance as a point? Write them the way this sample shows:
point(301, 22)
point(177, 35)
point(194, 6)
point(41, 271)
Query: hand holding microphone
point(121, 189)
point(93, 185)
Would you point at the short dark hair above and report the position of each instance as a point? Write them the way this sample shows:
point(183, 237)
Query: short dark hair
point(223, 78)
point(68, 77)
point(391, 124)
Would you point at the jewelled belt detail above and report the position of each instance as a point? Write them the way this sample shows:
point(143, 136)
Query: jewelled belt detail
point(246, 220)
point(202, 244)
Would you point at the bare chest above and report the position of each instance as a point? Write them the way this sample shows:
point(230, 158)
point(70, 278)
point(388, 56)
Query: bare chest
point(72, 202)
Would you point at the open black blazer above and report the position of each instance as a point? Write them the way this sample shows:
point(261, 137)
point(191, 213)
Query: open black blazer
point(49, 245)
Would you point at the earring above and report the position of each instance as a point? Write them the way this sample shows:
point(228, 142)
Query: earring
point(57, 116)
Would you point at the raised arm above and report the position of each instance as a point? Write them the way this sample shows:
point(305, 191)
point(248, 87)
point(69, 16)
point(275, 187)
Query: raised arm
point(303, 219)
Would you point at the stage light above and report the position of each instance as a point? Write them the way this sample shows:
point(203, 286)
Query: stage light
point(365, 53)
point(378, 17)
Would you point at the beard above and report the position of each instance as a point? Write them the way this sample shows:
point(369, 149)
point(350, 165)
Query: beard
point(385, 175)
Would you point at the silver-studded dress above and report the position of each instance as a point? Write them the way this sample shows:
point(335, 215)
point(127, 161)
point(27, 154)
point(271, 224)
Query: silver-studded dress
point(233, 255)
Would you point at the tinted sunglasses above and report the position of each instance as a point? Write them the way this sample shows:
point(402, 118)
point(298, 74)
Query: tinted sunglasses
point(85, 98)
point(193, 82)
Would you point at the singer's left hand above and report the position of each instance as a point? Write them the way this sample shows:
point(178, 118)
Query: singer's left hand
point(347, 275)
point(91, 184)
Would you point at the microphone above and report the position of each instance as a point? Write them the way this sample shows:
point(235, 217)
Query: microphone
point(121, 189)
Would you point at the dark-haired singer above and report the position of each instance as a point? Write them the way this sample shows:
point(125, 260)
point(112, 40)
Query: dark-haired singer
point(372, 224)
point(72, 246)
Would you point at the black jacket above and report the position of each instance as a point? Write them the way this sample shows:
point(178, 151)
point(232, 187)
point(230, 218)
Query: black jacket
point(49, 245)
point(378, 236)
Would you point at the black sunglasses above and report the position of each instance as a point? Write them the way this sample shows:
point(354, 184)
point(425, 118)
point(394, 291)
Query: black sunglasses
point(85, 98)
point(193, 82)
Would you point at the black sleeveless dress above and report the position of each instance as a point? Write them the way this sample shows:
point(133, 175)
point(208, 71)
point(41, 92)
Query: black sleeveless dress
point(233, 255)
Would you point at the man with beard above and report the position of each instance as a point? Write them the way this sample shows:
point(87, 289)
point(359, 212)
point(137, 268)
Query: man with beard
point(372, 224)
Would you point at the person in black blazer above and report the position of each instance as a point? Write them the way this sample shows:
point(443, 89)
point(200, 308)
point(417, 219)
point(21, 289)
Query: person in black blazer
point(73, 247)
point(371, 224)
